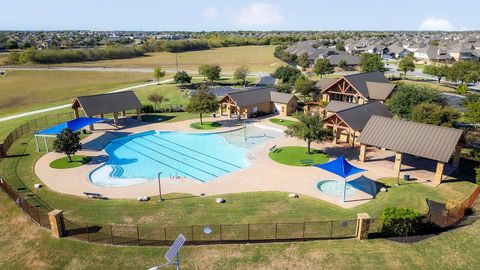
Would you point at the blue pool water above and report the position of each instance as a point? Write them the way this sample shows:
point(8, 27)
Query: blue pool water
point(140, 157)
point(335, 188)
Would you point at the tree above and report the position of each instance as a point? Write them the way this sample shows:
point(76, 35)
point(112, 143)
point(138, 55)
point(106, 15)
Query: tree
point(67, 142)
point(241, 75)
point(464, 71)
point(182, 77)
point(309, 128)
point(343, 64)
point(158, 73)
point(283, 88)
point(406, 64)
point(203, 70)
point(302, 61)
point(435, 114)
point(340, 46)
point(305, 87)
point(408, 96)
point(156, 99)
point(286, 74)
point(322, 66)
point(210, 72)
point(371, 62)
point(472, 110)
point(203, 101)
point(437, 71)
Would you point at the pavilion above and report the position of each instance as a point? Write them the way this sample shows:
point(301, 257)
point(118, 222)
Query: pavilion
point(412, 138)
point(99, 105)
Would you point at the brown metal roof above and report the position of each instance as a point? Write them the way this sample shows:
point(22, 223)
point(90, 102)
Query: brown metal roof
point(418, 139)
point(260, 95)
point(336, 106)
point(359, 81)
point(108, 103)
point(379, 91)
point(323, 83)
point(357, 117)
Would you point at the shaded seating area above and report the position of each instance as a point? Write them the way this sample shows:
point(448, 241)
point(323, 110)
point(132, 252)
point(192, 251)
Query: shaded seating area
point(112, 103)
point(416, 139)
point(73, 125)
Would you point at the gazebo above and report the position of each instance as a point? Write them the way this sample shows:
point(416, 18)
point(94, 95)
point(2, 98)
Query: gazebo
point(73, 125)
point(342, 168)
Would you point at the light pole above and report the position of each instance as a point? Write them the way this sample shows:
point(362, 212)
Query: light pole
point(176, 60)
point(160, 186)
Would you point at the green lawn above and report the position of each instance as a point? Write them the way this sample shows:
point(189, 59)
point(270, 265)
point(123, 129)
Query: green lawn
point(297, 156)
point(205, 125)
point(282, 122)
point(64, 163)
point(26, 246)
point(434, 85)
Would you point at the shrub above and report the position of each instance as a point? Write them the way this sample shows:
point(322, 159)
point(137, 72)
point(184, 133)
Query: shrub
point(462, 89)
point(148, 108)
point(401, 221)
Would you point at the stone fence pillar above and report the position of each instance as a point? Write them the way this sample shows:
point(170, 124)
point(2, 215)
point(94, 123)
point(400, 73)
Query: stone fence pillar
point(57, 224)
point(363, 225)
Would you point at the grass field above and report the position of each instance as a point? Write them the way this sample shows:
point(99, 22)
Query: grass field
point(205, 125)
point(434, 85)
point(256, 58)
point(25, 246)
point(64, 163)
point(297, 156)
point(24, 90)
point(282, 122)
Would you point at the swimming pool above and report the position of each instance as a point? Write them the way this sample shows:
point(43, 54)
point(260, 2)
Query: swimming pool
point(335, 188)
point(140, 157)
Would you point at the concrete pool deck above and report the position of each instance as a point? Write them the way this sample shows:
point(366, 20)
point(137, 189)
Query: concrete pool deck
point(262, 175)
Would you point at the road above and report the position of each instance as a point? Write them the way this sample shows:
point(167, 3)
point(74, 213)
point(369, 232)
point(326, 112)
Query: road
point(265, 79)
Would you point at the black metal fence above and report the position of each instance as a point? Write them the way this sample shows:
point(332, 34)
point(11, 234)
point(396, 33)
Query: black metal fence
point(30, 126)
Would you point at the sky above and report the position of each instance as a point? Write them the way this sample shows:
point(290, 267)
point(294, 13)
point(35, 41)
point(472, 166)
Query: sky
point(210, 15)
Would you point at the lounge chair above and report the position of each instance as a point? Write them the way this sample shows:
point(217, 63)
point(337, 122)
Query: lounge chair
point(307, 162)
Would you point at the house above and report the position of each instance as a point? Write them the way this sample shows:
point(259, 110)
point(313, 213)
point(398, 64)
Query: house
point(463, 51)
point(356, 88)
point(432, 54)
point(253, 102)
point(397, 51)
point(352, 61)
point(347, 120)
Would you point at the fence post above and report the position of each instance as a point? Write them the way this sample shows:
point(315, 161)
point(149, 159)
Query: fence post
point(248, 231)
point(165, 233)
point(303, 233)
point(363, 225)
point(331, 229)
point(276, 231)
point(57, 224)
point(192, 232)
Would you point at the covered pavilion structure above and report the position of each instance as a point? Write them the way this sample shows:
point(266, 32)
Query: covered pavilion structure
point(112, 103)
point(417, 139)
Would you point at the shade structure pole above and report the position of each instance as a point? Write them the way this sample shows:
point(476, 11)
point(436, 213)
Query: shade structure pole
point(344, 188)
point(46, 144)
point(36, 143)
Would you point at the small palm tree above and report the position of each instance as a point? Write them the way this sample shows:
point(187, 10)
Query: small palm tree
point(309, 128)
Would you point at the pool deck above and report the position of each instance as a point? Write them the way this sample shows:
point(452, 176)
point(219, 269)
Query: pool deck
point(262, 175)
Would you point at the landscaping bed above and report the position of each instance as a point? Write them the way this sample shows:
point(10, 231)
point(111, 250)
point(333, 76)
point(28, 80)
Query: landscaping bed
point(205, 125)
point(297, 156)
point(64, 163)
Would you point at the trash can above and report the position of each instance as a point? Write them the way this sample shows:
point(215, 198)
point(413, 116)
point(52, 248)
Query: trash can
point(406, 177)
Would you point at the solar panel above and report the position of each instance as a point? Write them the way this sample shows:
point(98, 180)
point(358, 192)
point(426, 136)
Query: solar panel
point(175, 248)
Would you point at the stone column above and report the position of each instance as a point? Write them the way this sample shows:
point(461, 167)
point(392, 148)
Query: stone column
point(439, 173)
point(398, 162)
point(75, 111)
point(335, 135)
point(57, 225)
point(124, 113)
point(139, 115)
point(115, 119)
point(363, 225)
point(456, 156)
point(363, 152)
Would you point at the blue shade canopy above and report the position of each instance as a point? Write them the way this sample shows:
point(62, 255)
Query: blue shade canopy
point(73, 125)
point(340, 167)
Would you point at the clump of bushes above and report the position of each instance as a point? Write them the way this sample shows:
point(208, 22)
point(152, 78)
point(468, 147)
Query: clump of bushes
point(477, 175)
point(56, 56)
point(401, 222)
